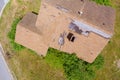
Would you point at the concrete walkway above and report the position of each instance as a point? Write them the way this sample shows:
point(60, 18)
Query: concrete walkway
point(5, 73)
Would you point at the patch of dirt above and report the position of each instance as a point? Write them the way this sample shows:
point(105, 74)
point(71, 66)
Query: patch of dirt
point(14, 2)
point(118, 63)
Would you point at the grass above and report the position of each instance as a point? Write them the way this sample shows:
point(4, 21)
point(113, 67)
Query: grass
point(29, 66)
point(53, 60)
point(74, 68)
point(11, 36)
point(112, 51)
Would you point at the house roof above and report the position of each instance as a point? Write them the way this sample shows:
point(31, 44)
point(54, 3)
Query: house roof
point(29, 21)
point(101, 17)
point(29, 36)
point(43, 31)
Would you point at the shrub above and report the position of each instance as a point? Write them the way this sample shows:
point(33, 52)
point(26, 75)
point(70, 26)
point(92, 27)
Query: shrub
point(11, 36)
point(74, 68)
point(103, 2)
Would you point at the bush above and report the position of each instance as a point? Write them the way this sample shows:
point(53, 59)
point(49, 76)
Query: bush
point(11, 36)
point(74, 68)
point(103, 2)
point(53, 58)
